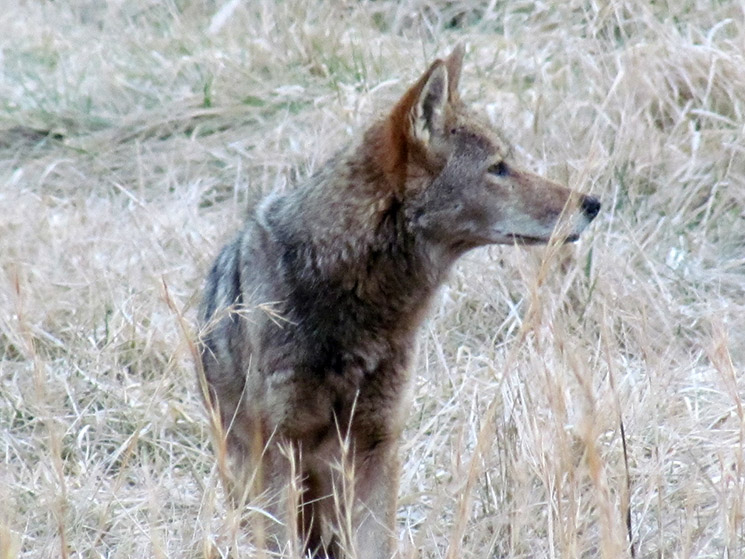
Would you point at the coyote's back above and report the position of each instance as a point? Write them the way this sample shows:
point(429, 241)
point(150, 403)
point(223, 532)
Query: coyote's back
point(310, 314)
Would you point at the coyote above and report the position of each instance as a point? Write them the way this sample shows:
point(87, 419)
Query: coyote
point(310, 314)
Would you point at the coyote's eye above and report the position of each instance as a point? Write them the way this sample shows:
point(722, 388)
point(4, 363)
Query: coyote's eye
point(500, 169)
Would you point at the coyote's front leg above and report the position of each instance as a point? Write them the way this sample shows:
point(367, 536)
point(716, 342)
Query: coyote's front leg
point(377, 490)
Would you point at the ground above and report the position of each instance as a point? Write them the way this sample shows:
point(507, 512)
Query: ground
point(135, 135)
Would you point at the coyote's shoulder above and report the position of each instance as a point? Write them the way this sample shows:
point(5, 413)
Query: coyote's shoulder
point(310, 314)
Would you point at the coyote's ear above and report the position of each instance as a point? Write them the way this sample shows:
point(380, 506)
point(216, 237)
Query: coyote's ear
point(427, 115)
point(418, 116)
point(454, 64)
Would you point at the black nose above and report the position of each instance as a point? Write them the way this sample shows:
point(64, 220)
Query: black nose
point(591, 207)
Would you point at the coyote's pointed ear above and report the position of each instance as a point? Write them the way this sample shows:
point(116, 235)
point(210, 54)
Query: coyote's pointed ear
point(454, 64)
point(418, 117)
point(427, 114)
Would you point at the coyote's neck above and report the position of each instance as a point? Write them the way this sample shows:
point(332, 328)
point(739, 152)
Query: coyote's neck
point(347, 232)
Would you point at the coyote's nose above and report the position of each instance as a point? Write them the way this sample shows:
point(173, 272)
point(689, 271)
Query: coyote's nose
point(590, 207)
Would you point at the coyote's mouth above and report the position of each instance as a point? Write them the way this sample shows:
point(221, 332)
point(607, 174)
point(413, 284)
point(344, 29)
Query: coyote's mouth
point(528, 240)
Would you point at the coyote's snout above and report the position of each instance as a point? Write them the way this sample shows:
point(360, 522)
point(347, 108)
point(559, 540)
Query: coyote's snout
point(310, 315)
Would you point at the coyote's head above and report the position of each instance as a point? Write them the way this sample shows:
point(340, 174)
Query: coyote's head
point(456, 177)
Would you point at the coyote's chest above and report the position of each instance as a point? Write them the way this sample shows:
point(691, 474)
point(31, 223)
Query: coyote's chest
point(362, 388)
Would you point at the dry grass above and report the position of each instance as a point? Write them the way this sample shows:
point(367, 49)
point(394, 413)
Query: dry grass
point(136, 133)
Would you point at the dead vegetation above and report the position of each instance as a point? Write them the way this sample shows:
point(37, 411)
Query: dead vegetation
point(134, 134)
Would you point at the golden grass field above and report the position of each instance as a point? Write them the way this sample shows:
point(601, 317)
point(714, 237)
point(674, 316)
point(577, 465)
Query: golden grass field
point(133, 138)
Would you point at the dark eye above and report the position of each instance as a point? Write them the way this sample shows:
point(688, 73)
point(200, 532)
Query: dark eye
point(500, 169)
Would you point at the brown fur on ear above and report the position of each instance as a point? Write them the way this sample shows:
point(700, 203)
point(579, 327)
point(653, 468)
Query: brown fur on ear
point(393, 140)
point(454, 64)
